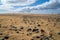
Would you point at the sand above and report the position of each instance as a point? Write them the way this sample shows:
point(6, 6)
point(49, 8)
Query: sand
point(30, 27)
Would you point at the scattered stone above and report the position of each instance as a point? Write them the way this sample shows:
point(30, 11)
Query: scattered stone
point(13, 28)
point(35, 27)
point(37, 36)
point(17, 31)
point(22, 39)
point(39, 25)
point(42, 31)
point(41, 36)
point(46, 38)
point(29, 33)
point(35, 30)
point(29, 29)
point(58, 33)
point(50, 35)
point(1, 38)
point(1, 33)
point(21, 27)
point(26, 31)
point(6, 37)
point(32, 39)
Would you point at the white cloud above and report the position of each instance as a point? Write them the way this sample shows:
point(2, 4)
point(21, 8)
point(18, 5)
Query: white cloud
point(48, 5)
point(53, 5)
point(18, 2)
point(9, 6)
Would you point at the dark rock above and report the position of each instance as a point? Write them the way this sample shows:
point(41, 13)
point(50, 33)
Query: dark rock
point(50, 35)
point(22, 39)
point(32, 39)
point(58, 33)
point(2, 39)
point(29, 29)
point(42, 31)
point(35, 27)
point(41, 36)
point(13, 28)
point(6, 37)
point(1, 33)
point(21, 27)
point(39, 25)
point(41, 39)
point(46, 38)
point(37, 36)
point(17, 31)
point(29, 34)
point(35, 30)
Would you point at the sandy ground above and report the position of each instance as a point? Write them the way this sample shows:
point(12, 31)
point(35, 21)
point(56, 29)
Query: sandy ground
point(30, 27)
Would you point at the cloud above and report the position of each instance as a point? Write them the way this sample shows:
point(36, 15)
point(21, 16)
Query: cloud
point(18, 2)
point(52, 6)
point(9, 4)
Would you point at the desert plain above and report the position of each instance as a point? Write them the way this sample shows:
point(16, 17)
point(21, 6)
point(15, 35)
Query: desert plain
point(30, 27)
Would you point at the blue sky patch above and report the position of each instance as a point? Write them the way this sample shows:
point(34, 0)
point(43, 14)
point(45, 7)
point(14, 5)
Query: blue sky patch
point(38, 2)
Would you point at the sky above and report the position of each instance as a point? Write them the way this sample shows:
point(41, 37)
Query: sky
point(30, 6)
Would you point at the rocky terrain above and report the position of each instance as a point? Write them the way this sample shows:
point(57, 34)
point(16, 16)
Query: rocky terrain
point(30, 27)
